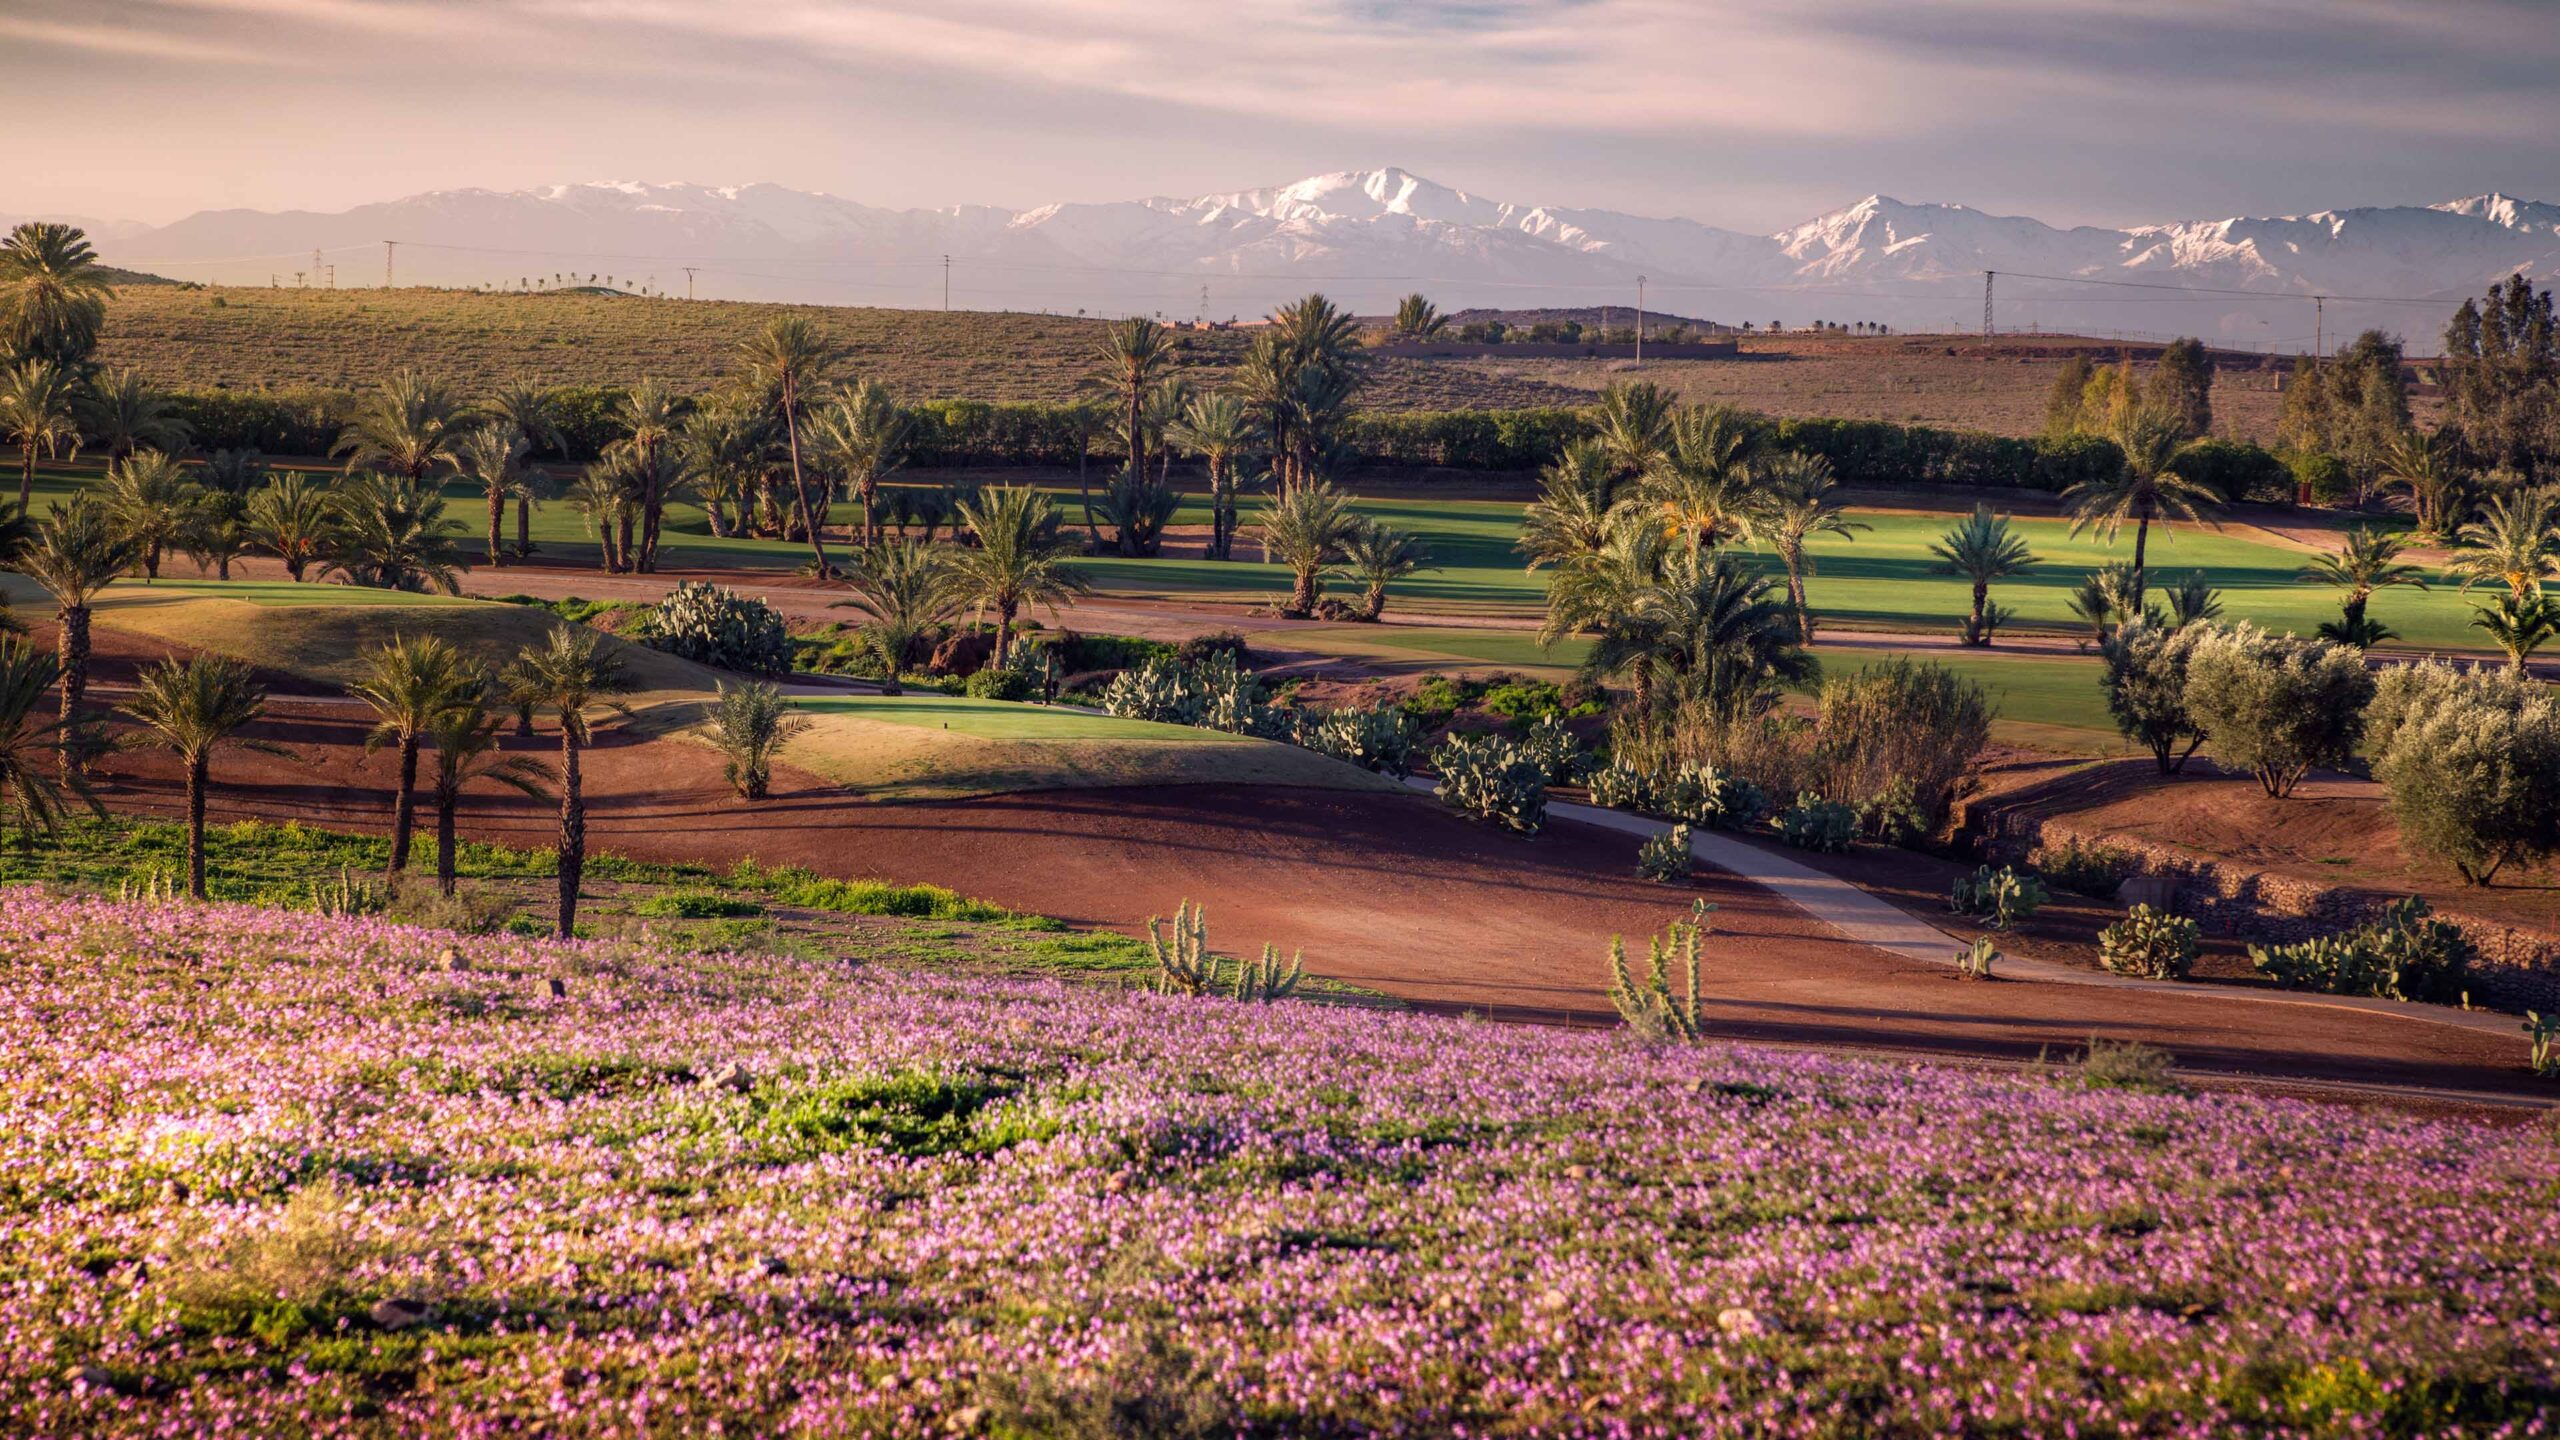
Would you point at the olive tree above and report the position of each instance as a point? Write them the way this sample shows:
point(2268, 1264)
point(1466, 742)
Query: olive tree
point(2471, 759)
point(2146, 684)
point(2276, 705)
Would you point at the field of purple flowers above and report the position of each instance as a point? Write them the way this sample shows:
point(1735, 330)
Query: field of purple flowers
point(268, 1173)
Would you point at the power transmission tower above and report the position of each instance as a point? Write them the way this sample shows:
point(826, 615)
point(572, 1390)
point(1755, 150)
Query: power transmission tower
point(390, 252)
point(1639, 319)
point(2319, 331)
point(946, 282)
point(688, 282)
point(1202, 318)
point(1986, 301)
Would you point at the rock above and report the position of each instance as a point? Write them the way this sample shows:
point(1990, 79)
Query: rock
point(397, 1313)
point(732, 1077)
point(94, 1377)
point(558, 990)
point(1554, 1300)
point(1577, 1172)
point(452, 959)
point(1736, 1320)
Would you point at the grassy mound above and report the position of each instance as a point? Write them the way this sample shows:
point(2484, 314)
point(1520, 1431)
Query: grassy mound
point(287, 1174)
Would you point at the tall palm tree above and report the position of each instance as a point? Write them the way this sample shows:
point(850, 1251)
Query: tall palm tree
point(154, 504)
point(2145, 487)
point(34, 780)
point(1377, 556)
point(465, 737)
point(1305, 528)
point(864, 435)
point(192, 709)
point(575, 677)
point(1633, 423)
point(905, 587)
point(123, 412)
point(789, 361)
point(726, 450)
point(2427, 472)
point(295, 519)
point(1418, 319)
point(393, 533)
point(1700, 484)
point(1133, 356)
point(1722, 633)
point(1018, 560)
point(652, 421)
point(1606, 594)
point(1798, 499)
point(74, 554)
point(533, 411)
point(2369, 561)
point(2512, 544)
point(1220, 429)
point(1300, 376)
point(1577, 502)
point(40, 414)
point(2519, 625)
point(408, 426)
point(409, 682)
point(1982, 548)
point(492, 457)
point(53, 294)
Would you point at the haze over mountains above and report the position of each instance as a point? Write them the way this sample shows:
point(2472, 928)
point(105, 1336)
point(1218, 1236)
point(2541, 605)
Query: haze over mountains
point(1369, 236)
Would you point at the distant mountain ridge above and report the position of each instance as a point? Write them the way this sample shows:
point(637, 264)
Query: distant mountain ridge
point(1368, 236)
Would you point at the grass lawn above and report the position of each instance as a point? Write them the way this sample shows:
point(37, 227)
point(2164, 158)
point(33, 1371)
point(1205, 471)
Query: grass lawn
point(2050, 701)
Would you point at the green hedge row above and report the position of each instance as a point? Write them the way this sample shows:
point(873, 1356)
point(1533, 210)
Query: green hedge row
point(950, 433)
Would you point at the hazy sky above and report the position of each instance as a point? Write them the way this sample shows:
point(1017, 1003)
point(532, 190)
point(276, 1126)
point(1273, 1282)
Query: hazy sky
point(1748, 113)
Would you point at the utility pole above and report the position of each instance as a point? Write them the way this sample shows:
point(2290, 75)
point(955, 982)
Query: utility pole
point(2319, 327)
point(390, 252)
point(946, 282)
point(688, 282)
point(1986, 302)
point(1639, 319)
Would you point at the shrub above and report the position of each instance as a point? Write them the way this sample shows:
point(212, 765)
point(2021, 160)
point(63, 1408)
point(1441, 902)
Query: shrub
point(1200, 648)
point(2237, 470)
point(1490, 778)
point(1378, 738)
point(2472, 763)
point(1164, 690)
point(2002, 897)
point(1552, 745)
point(2544, 1034)
point(1648, 1004)
point(696, 905)
point(1532, 699)
point(2145, 678)
point(2151, 943)
point(750, 727)
point(1665, 858)
point(1917, 722)
point(2402, 956)
point(2276, 705)
point(715, 626)
point(1006, 684)
point(1439, 698)
point(1621, 784)
point(1816, 824)
point(1893, 817)
point(1703, 795)
point(2084, 867)
point(2131, 1065)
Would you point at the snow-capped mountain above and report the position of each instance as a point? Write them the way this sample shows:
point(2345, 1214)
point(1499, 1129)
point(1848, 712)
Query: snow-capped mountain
point(1369, 236)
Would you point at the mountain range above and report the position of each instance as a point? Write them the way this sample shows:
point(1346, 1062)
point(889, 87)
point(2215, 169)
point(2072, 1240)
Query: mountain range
point(1369, 236)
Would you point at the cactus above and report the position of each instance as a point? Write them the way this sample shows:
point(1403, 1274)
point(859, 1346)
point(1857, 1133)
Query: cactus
point(1184, 967)
point(154, 886)
point(2545, 1035)
point(1379, 738)
point(349, 894)
point(1622, 785)
point(1649, 1005)
point(715, 626)
point(1665, 858)
point(1549, 743)
point(2150, 943)
point(1816, 824)
point(1974, 961)
point(1486, 776)
point(1265, 980)
point(2001, 897)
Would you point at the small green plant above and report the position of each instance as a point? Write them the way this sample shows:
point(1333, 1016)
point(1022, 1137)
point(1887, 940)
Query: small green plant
point(1621, 784)
point(1265, 980)
point(2001, 898)
point(696, 905)
point(715, 626)
point(1665, 858)
point(1892, 815)
point(154, 886)
point(2151, 943)
point(350, 894)
point(1648, 1004)
point(2402, 956)
point(1008, 684)
point(750, 727)
point(1974, 962)
point(1378, 738)
point(2082, 867)
point(2130, 1065)
point(1489, 778)
point(2544, 1032)
point(1185, 965)
point(1549, 742)
point(1813, 823)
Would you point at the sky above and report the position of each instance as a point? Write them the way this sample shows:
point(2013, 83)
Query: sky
point(1752, 114)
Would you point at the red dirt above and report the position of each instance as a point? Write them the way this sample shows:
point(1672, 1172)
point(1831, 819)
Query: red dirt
point(1392, 893)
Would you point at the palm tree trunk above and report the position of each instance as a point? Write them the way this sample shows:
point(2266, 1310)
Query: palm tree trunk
point(497, 522)
point(573, 830)
point(404, 805)
point(1004, 632)
point(799, 480)
point(2141, 542)
point(1084, 487)
point(73, 654)
point(524, 525)
point(26, 477)
point(1795, 597)
point(444, 841)
point(195, 824)
point(622, 559)
point(1302, 595)
point(870, 510)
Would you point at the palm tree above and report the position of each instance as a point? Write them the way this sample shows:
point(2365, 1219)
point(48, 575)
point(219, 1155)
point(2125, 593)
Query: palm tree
point(33, 774)
point(1577, 503)
point(2426, 470)
point(749, 727)
point(904, 586)
point(1305, 528)
point(726, 450)
point(1300, 376)
point(1134, 354)
point(788, 361)
point(75, 553)
point(492, 457)
point(1378, 555)
point(1722, 633)
point(39, 413)
point(2105, 596)
point(1796, 502)
point(408, 426)
point(154, 504)
point(2193, 601)
point(534, 414)
point(53, 295)
point(864, 433)
point(605, 494)
point(2369, 561)
point(294, 519)
point(649, 416)
point(2145, 487)
point(573, 676)
point(1982, 548)
point(2512, 544)
point(192, 709)
point(1633, 423)
point(1418, 319)
point(1606, 593)
point(392, 533)
point(1220, 429)
point(1018, 560)
point(123, 413)
point(2519, 624)
point(1700, 485)
point(409, 682)
point(218, 540)
point(465, 737)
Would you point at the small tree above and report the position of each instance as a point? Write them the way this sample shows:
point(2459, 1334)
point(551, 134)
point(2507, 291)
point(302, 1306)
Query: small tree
point(750, 726)
point(2276, 705)
point(1019, 560)
point(467, 750)
point(573, 676)
point(1305, 529)
point(410, 682)
point(295, 520)
point(2471, 759)
point(2368, 561)
point(2146, 684)
point(193, 709)
point(903, 586)
point(1377, 556)
point(1984, 548)
point(75, 553)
